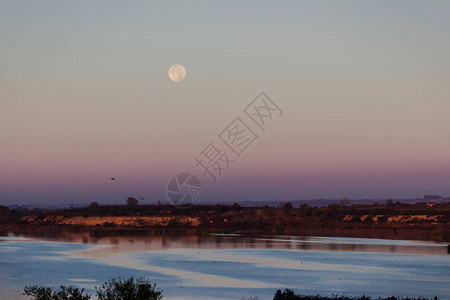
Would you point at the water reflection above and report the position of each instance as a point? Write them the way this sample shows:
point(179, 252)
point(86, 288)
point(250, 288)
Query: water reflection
point(230, 265)
point(159, 240)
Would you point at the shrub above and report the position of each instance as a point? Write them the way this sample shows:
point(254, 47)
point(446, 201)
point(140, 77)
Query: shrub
point(131, 288)
point(47, 293)
point(288, 294)
point(114, 289)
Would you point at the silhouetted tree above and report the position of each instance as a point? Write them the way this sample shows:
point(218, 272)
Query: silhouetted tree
point(236, 207)
point(47, 293)
point(287, 294)
point(305, 210)
point(132, 201)
point(94, 204)
point(131, 288)
point(287, 207)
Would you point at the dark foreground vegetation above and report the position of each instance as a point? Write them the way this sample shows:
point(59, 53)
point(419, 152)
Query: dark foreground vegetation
point(288, 294)
point(141, 289)
point(114, 289)
point(393, 220)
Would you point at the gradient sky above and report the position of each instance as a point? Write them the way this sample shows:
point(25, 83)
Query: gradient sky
point(85, 95)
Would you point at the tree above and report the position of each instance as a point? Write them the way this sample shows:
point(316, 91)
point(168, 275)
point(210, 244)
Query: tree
point(132, 201)
point(94, 204)
point(287, 294)
point(38, 292)
point(131, 288)
point(305, 210)
point(236, 207)
point(47, 293)
point(287, 207)
point(114, 289)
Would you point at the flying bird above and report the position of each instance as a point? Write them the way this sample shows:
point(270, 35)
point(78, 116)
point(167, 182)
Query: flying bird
point(112, 178)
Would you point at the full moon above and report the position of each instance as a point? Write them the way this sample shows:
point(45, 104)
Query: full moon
point(177, 73)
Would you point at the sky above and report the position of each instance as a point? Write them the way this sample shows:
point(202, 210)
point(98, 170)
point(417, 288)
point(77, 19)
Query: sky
point(85, 95)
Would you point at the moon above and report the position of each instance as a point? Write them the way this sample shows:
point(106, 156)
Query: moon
point(177, 73)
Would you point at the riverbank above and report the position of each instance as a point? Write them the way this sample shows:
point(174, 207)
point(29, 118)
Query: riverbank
point(393, 221)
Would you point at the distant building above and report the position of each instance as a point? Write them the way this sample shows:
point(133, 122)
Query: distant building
point(432, 197)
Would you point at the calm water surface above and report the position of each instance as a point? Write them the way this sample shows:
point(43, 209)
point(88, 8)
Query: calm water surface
point(230, 266)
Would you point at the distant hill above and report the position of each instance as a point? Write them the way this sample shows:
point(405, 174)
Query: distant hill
point(250, 203)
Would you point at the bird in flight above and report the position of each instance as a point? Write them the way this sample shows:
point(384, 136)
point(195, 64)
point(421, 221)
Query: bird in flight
point(112, 178)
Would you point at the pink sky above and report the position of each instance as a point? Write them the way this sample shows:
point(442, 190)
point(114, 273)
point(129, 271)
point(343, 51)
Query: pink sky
point(85, 96)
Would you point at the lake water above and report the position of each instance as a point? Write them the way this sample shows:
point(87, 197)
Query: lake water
point(230, 266)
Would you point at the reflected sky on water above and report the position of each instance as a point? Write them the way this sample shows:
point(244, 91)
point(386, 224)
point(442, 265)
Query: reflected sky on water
point(232, 266)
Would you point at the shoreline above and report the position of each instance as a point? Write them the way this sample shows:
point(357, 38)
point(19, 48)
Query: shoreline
point(394, 221)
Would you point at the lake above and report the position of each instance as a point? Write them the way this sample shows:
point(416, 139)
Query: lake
point(234, 266)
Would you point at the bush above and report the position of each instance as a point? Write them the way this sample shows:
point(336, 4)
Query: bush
point(136, 289)
point(114, 289)
point(288, 294)
point(46, 293)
